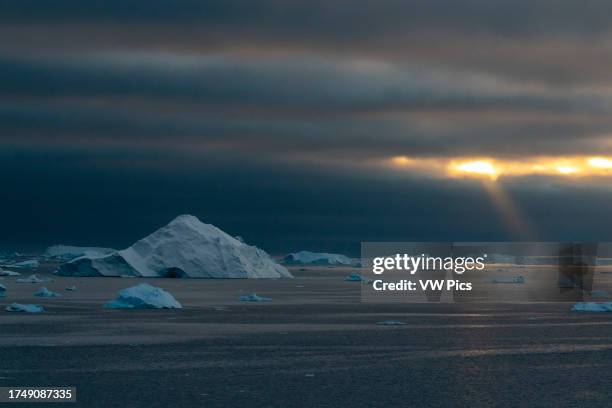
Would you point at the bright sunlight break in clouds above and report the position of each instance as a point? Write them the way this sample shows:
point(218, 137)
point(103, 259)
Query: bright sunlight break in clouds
point(491, 168)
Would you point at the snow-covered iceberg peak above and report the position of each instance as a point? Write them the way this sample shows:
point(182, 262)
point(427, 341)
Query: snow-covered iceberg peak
point(316, 258)
point(185, 248)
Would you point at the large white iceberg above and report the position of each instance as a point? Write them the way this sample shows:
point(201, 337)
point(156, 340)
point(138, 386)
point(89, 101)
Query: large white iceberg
point(185, 248)
point(69, 252)
point(144, 296)
point(316, 258)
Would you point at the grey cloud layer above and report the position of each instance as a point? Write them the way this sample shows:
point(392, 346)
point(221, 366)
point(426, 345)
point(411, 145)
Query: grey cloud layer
point(259, 115)
point(330, 17)
point(365, 108)
point(561, 42)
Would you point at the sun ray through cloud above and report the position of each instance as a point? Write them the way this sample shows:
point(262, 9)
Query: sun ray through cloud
point(491, 168)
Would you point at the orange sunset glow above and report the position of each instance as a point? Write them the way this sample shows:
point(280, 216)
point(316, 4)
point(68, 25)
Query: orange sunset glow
point(493, 168)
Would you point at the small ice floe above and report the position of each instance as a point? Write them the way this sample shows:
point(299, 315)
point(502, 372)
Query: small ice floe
point(510, 279)
point(592, 307)
point(354, 277)
point(600, 293)
point(71, 288)
point(143, 296)
point(391, 323)
point(316, 258)
point(30, 263)
point(2, 290)
point(26, 308)
point(4, 272)
point(34, 279)
point(44, 292)
point(253, 297)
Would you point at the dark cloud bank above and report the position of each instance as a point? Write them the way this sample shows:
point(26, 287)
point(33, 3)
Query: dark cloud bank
point(264, 118)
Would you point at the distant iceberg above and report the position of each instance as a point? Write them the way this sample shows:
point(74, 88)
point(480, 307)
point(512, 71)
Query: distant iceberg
point(4, 272)
point(30, 263)
point(509, 279)
point(391, 323)
point(44, 292)
point(25, 308)
point(69, 252)
point(185, 248)
point(592, 307)
point(144, 296)
point(253, 297)
point(316, 258)
point(34, 279)
point(354, 277)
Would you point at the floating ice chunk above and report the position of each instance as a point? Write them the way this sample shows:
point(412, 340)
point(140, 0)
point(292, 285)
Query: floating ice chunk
point(510, 279)
point(71, 288)
point(316, 258)
point(253, 297)
point(391, 323)
point(4, 272)
point(26, 308)
point(592, 307)
point(600, 293)
point(354, 277)
point(30, 263)
point(34, 279)
point(143, 296)
point(44, 292)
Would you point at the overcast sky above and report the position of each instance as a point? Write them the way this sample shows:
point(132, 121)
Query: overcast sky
point(270, 118)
